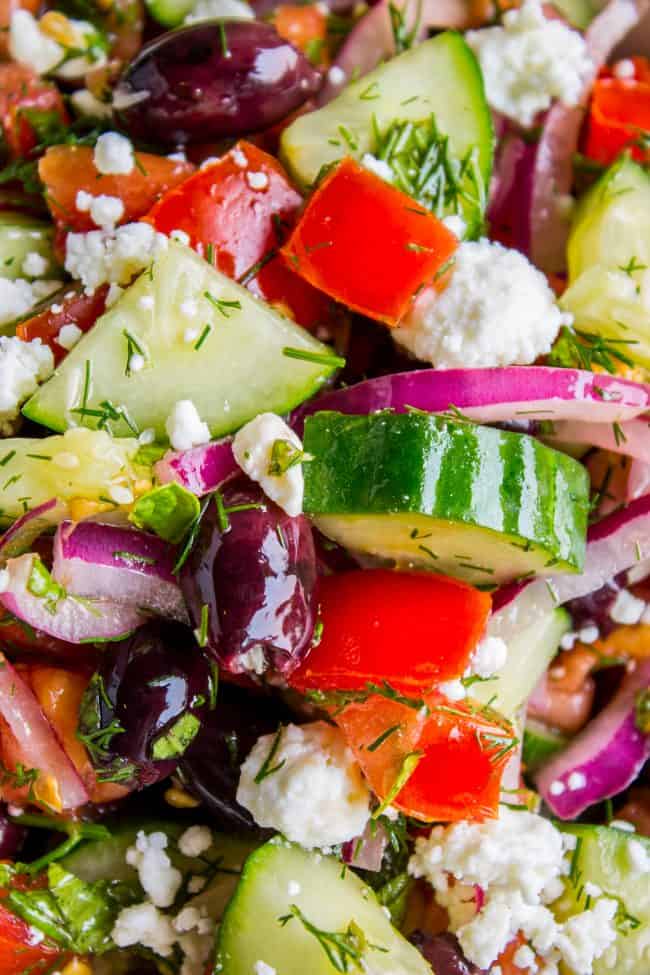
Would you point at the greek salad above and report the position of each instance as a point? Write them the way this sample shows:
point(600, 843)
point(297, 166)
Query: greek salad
point(324, 487)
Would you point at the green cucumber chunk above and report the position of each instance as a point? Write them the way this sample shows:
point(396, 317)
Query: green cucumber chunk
point(541, 744)
point(427, 492)
point(232, 368)
point(529, 653)
point(21, 235)
point(170, 13)
point(603, 858)
point(440, 77)
point(289, 900)
point(80, 464)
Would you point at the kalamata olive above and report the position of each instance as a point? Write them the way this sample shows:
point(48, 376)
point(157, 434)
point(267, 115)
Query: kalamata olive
point(12, 836)
point(210, 767)
point(250, 582)
point(145, 703)
point(213, 79)
point(443, 953)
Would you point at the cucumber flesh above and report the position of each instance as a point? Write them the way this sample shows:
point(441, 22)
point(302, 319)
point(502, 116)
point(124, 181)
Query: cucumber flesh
point(328, 898)
point(427, 492)
point(19, 236)
point(31, 473)
point(603, 858)
point(540, 745)
point(439, 77)
point(529, 654)
point(232, 371)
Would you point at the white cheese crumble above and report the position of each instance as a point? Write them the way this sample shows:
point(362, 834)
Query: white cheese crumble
point(497, 310)
point(316, 795)
point(68, 336)
point(257, 181)
point(105, 211)
point(377, 166)
point(19, 296)
point(638, 856)
point(103, 256)
point(518, 861)
point(454, 690)
point(181, 237)
point(218, 9)
point(254, 448)
point(184, 426)
point(624, 69)
point(35, 265)
point(626, 608)
point(336, 75)
point(239, 157)
point(576, 781)
point(159, 879)
point(113, 154)
point(22, 366)
point(195, 841)
point(33, 46)
point(588, 634)
point(489, 657)
point(143, 924)
point(261, 968)
point(529, 61)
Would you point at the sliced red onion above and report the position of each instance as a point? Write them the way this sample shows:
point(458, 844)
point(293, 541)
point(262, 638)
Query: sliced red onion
point(603, 758)
point(200, 470)
point(618, 542)
point(511, 190)
point(631, 438)
point(493, 395)
point(39, 746)
point(372, 41)
point(130, 567)
point(23, 533)
point(638, 480)
point(70, 618)
point(366, 852)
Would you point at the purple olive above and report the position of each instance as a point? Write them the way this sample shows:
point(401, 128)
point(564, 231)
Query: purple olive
point(443, 953)
point(146, 703)
point(210, 767)
point(12, 836)
point(213, 79)
point(250, 582)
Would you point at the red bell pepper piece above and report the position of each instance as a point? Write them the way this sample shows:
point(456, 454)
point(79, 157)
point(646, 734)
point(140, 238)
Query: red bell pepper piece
point(21, 91)
point(81, 309)
point(18, 953)
point(367, 244)
point(65, 170)
point(235, 212)
point(619, 118)
point(429, 758)
point(410, 629)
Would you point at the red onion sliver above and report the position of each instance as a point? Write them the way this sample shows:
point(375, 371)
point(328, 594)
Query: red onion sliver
point(366, 852)
point(128, 566)
point(604, 758)
point(199, 470)
point(72, 619)
point(23, 533)
point(38, 744)
point(631, 438)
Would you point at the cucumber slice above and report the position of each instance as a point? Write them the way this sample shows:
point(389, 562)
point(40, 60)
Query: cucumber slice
point(80, 464)
point(266, 921)
point(579, 13)
point(603, 858)
point(170, 13)
point(233, 368)
point(540, 744)
point(424, 491)
point(21, 235)
point(440, 77)
point(529, 653)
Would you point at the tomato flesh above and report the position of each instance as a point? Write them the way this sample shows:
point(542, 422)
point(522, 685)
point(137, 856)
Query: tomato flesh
point(619, 117)
point(79, 309)
point(18, 954)
point(410, 629)
point(21, 91)
point(366, 244)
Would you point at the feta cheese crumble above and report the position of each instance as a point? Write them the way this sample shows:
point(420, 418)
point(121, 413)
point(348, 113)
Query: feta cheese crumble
point(257, 181)
point(316, 795)
point(35, 265)
point(529, 61)
point(159, 879)
point(277, 469)
point(195, 841)
point(377, 166)
point(626, 608)
point(31, 44)
point(105, 211)
point(519, 861)
point(113, 154)
point(22, 366)
point(489, 657)
point(112, 256)
point(19, 296)
point(68, 336)
point(497, 310)
point(184, 426)
point(143, 924)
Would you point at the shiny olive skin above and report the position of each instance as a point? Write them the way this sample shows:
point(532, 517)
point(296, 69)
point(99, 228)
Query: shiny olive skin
point(443, 953)
point(210, 767)
point(257, 581)
point(145, 685)
point(211, 80)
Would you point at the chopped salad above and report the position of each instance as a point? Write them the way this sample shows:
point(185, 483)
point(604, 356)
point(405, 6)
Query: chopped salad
point(324, 487)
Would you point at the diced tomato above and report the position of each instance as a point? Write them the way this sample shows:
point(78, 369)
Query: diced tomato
point(506, 960)
point(449, 756)
point(20, 91)
point(366, 244)
point(304, 26)
point(240, 226)
point(18, 953)
point(410, 629)
point(65, 170)
point(81, 309)
point(619, 117)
